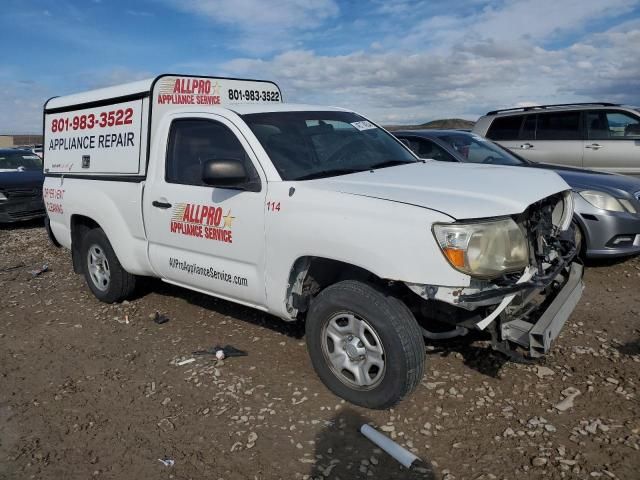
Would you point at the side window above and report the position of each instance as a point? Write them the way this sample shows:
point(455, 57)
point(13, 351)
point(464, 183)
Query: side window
point(529, 128)
point(194, 141)
point(429, 149)
point(559, 126)
point(505, 128)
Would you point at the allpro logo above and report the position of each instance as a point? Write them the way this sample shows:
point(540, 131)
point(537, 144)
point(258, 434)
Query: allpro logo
point(203, 221)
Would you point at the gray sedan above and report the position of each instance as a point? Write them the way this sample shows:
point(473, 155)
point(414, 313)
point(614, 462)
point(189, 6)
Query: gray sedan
point(607, 205)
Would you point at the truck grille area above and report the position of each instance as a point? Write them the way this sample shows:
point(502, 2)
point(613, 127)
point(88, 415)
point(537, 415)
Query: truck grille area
point(548, 245)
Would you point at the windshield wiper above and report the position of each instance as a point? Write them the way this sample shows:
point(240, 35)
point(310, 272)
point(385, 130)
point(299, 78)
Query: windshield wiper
point(331, 173)
point(390, 163)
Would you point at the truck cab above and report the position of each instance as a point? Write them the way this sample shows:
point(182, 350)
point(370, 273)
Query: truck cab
point(310, 213)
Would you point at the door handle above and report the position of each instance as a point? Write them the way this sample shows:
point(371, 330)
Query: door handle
point(594, 146)
point(526, 146)
point(158, 204)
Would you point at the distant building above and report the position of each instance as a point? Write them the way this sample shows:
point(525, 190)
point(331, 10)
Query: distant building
point(19, 140)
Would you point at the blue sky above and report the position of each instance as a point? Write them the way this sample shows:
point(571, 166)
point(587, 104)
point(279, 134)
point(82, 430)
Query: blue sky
point(397, 61)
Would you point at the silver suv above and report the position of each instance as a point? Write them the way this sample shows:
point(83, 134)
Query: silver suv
point(598, 136)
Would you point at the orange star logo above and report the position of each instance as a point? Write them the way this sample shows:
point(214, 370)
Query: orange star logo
point(228, 220)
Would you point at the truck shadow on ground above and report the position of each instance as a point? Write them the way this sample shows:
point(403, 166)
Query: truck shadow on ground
point(341, 451)
point(475, 351)
point(474, 348)
point(630, 348)
point(222, 307)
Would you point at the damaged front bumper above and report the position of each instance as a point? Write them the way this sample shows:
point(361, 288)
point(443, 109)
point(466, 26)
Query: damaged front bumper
point(528, 314)
point(535, 329)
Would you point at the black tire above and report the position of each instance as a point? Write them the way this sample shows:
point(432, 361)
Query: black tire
point(392, 322)
point(121, 283)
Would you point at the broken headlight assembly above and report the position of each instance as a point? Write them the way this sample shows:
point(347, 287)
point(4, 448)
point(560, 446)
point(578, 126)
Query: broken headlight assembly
point(484, 249)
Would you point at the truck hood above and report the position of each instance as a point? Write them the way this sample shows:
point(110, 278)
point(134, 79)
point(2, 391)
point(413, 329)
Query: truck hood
point(460, 190)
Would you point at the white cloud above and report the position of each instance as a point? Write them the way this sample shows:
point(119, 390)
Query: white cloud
point(21, 106)
point(391, 86)
point(263, 26)
point(22, 100)
point(503, 24)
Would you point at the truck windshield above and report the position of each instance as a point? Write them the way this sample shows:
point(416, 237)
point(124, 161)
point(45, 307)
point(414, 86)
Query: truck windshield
point(477, 149)
point(19, 160)
point(307, 145)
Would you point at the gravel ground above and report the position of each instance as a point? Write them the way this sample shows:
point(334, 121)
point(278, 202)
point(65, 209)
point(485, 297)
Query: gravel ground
point(89, 390)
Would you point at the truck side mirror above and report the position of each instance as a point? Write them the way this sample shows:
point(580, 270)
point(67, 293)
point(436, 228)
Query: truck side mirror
point(224, 173)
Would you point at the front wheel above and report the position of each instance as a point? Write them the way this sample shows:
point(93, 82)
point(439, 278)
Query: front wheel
point(106, 278)
point(365, 345)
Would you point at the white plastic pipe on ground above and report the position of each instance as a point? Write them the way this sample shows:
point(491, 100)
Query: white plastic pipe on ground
point(401, 454)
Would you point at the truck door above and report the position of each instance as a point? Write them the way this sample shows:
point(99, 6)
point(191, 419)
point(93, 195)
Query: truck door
point(206, 238)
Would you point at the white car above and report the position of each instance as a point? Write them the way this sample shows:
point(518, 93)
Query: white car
point(312, 214)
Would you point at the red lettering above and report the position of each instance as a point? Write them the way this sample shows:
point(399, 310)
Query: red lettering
point(218, 217)
point(195, 214)
point(203, 214)
point(210, 215)
point(187, 212)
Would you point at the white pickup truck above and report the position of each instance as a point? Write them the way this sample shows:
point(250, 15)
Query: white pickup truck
point(312, 214)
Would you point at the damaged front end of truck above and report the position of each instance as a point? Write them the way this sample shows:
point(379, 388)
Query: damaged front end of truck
point(524, 280)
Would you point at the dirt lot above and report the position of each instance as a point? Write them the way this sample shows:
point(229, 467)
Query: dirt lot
point(89, 390)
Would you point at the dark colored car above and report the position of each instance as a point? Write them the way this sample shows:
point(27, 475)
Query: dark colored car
point(607, 206)
point(21, 180)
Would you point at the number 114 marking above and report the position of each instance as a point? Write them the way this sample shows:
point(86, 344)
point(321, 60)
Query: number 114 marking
point(273, 206)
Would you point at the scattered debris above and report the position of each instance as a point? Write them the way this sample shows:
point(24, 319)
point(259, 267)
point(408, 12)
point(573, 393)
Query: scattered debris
point(166, 425)
point(401, 454)
point(39, 271)
point(167, 462)
point(539, 462)
point(542, 372)
point(186, 362)
point(222, 352)
point(570, 394)
point(160, 319)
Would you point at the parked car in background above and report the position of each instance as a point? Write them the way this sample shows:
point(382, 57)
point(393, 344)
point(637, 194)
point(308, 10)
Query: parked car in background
point(607, 205)
point(37, 149)
point(599, 136)
point(21, 182)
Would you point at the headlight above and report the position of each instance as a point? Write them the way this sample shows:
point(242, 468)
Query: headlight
point(486, 249)
point(604, 201)
point(3, 197)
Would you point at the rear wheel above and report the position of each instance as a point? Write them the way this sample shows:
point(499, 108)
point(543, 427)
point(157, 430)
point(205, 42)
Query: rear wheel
point(365, 345)
point(106, 278)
